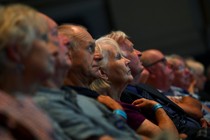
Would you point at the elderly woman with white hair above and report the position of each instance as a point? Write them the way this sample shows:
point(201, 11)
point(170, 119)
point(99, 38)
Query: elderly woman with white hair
point(113, 76)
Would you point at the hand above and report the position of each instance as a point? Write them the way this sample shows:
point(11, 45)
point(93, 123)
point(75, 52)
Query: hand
point(204, 123)
point(109, 102)
point(144, 103)
point(174, 99)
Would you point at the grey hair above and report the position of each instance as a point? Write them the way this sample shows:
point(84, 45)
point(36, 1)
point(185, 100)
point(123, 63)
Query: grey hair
point(20, 25)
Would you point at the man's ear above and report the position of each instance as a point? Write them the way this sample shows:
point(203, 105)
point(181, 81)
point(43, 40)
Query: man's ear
point(151, 71)
point(102, 74)
point(13, 53)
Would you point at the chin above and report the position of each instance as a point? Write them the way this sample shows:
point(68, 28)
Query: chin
point(130, 79)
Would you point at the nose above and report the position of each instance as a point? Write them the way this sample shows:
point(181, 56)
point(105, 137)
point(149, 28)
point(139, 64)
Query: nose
point(97, 56)
point(138, 53)
point(127, 61)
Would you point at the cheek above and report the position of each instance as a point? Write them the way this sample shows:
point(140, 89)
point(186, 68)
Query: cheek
point(119, 71)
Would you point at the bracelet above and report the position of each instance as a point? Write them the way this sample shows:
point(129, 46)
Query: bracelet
point(156, 106)
point(121, 113)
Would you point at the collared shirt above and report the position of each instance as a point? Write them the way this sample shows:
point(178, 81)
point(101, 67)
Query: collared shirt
point(80, 117)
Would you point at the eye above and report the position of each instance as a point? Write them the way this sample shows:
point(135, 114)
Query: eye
point(45, 37)
point(118, 56)
point(91, 48)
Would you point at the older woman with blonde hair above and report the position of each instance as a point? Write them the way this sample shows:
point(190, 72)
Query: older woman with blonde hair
point(113, 76)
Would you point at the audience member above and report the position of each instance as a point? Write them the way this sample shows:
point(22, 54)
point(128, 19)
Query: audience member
point(25, 61)
point(114, 75)
point(182, 77)
point(50, 88)
point(182, 74)
point(197, 85)
point(163, 71)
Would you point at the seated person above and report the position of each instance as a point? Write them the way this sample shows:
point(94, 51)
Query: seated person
point(26, 60)
point(114, 75)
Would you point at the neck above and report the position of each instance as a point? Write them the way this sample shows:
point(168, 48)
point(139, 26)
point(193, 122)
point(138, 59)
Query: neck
point(135, 80)
point(115, 91)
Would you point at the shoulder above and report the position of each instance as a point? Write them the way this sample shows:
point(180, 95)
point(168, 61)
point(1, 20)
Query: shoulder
point(52, 101)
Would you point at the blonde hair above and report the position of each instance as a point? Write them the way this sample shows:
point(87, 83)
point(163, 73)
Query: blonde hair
point(100, 85)
point(20, 25)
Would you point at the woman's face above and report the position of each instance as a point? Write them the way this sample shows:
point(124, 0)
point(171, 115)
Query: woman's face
point(117, 68)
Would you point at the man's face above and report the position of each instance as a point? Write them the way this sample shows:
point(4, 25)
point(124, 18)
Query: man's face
point(200, 79)
point(82, 55)
point(62, 61)
point(160, 70)
point(181, 74)
point(134, 56)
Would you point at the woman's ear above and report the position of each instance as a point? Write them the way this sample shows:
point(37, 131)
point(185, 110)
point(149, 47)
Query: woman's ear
point(102, 74)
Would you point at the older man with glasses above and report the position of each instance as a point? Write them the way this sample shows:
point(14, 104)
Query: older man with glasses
point(161, 77)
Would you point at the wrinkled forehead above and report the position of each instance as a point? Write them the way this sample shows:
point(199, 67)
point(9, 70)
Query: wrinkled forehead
point(83, 35)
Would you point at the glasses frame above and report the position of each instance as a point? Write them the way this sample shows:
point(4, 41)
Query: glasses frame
point(163, 60)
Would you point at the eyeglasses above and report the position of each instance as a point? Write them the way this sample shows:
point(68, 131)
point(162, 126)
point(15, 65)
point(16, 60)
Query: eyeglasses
point(179, 68)
point(163, 60)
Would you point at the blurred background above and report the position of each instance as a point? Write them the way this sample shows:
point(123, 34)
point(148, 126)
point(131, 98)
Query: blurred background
point(172, 26)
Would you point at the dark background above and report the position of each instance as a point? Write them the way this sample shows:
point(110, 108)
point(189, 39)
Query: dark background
point(172, 26)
